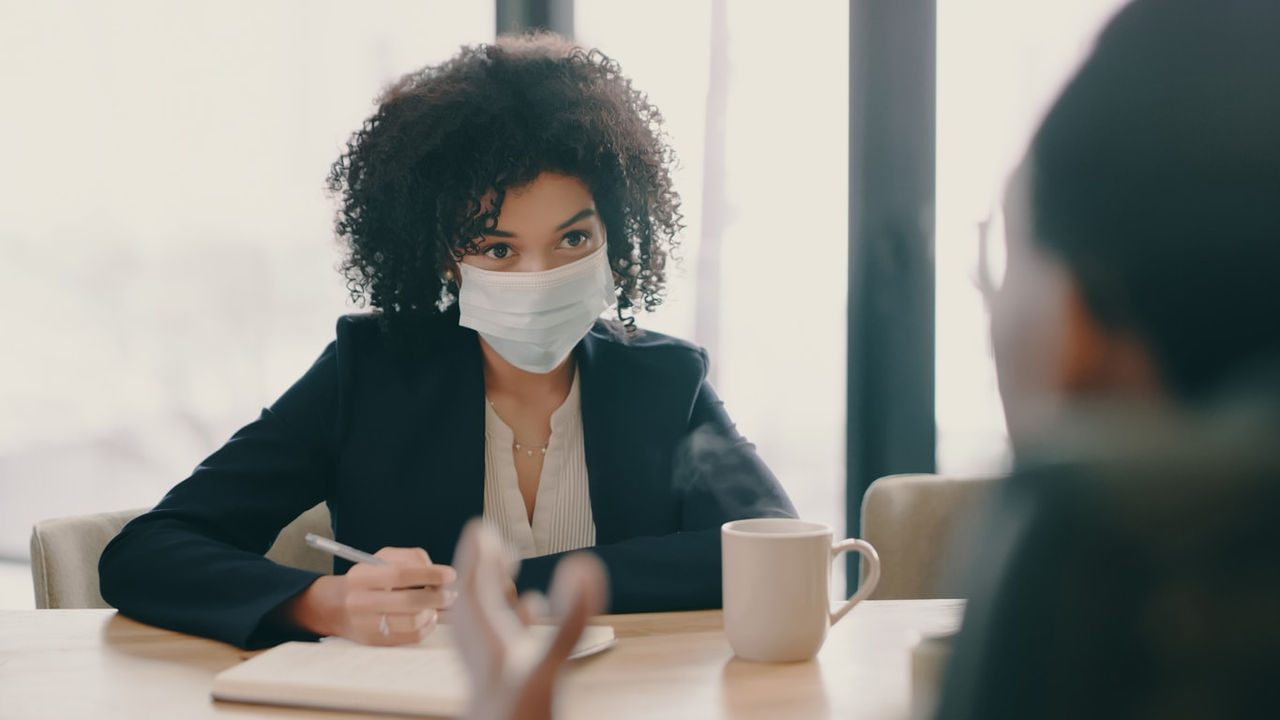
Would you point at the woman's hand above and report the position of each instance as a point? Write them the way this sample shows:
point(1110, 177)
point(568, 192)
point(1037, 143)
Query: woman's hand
point(513, 676)
point(391, 604)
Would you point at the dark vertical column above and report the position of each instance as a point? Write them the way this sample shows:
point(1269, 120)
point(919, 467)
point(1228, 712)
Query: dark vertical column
point(516, 16)
point(892, 120)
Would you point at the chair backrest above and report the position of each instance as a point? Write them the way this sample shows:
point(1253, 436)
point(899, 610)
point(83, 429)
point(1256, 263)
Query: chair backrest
point(65, 551)
point(921, 526)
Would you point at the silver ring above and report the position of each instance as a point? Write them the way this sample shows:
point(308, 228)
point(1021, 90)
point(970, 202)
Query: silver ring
point(383, 627)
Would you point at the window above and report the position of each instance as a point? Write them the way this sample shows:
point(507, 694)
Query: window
point(1000, 64)
point(164, 226)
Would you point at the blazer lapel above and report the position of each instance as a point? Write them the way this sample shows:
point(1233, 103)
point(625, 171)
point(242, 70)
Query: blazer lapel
point(599, 436)
point(451, 398)
point(625, 416)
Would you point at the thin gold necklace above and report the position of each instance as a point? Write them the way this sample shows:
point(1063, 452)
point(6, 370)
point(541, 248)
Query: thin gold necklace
point(516, 444)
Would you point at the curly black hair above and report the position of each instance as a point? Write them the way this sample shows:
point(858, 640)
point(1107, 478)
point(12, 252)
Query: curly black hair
point(425, 176)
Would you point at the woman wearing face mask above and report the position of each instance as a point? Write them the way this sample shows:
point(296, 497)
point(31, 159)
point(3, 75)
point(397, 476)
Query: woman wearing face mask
point(493, 208)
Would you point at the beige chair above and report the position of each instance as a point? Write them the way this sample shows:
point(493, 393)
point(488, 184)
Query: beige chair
point(922, 527)
point(64, 553)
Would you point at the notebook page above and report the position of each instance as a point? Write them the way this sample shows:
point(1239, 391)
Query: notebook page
point(423, 679)
point(349, 676)
point(594, 639)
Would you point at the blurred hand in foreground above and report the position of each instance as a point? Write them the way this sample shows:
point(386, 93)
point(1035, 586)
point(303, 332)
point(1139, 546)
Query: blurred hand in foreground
point(513, 675)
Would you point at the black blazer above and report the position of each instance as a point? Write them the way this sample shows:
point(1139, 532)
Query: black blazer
point(396, 449)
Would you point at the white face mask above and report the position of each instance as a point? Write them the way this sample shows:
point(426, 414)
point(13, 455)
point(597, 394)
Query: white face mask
point(534, 319)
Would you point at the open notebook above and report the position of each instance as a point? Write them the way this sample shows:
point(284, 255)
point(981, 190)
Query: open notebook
point(423, 679)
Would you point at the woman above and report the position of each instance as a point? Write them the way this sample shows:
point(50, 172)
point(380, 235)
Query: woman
point(492, 208)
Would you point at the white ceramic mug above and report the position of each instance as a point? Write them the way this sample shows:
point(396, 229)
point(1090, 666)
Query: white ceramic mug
point(777, 575)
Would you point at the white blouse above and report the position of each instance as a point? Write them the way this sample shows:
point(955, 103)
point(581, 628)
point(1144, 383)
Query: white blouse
point(562, 509)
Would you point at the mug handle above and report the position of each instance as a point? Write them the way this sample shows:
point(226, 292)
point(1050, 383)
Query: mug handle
point(868, 585)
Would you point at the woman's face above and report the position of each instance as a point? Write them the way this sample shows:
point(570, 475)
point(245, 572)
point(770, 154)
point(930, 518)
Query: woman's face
point(550, 222)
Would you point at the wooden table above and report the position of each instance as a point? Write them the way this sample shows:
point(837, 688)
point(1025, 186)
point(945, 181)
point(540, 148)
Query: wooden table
point(98, 664)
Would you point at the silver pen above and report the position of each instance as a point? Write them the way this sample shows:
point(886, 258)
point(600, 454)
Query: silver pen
point(346, 552)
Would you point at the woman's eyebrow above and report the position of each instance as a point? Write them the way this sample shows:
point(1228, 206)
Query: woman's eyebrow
point(582, 214)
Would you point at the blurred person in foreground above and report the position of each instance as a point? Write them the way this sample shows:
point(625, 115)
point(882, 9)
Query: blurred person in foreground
point(1129, 568)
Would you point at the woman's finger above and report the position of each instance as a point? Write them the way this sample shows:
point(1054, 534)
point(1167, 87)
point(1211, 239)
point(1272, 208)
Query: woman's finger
point(396, 628)
point(426, 619)
point(430, 576)
point(402, 623)
point(400, 601)
point(410, 556)
point(387, 577)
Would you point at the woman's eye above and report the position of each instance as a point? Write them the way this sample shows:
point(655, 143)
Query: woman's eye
point(498, 251)
point(574, 239)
